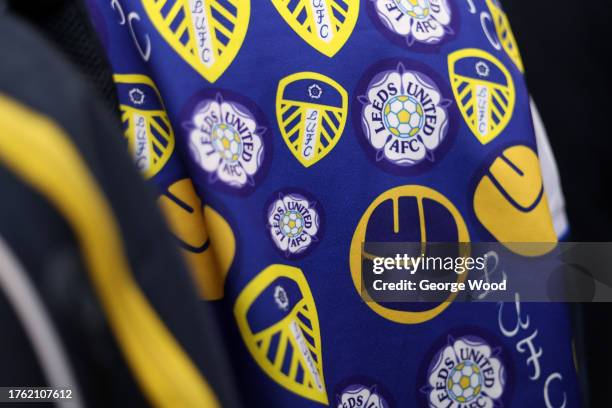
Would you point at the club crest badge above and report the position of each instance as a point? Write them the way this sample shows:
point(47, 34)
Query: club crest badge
point(504, 33)
point(206, 34)
point(228, 140)
point(204, 236)
point(466, 372)
point(294, 220)
point(278, 321)
point(410, 213)
point(325, 25)
point(145, 123)
point(404, 117)
point(415, 23)
point(311, 110)
point(510, 202)
point(362, 392)
point(484, 91)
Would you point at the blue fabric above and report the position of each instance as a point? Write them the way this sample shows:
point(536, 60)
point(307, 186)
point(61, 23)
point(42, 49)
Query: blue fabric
point(364, 355)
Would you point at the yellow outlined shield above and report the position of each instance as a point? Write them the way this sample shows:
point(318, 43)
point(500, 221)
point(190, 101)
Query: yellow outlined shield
point(145, 122)
point(325, 24)
point(505, 35)
point(278, 321)
point(484, 92)
point(311, 111)
point(207, 34)
point(205, 237)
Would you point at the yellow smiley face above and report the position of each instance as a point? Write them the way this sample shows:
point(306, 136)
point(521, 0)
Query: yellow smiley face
point(511, 203)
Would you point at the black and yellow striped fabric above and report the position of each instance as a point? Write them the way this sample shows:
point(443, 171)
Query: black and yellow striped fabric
point(88, 233)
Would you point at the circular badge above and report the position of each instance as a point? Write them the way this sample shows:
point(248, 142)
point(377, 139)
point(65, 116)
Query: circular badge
point(408, 214)
point(228, 140)
point(362, 392)
point(293, 219)
point(402, 116)
point(420, 25)
point(467, 370)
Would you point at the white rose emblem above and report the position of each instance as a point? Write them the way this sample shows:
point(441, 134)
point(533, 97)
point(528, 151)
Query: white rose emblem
point(404, 116)
point(422, 21)
point(464, 372)
point(293, 222)
point(226, 142)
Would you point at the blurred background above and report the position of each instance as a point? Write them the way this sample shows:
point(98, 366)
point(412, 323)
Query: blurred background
point(566, 49)
point(567, 63)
